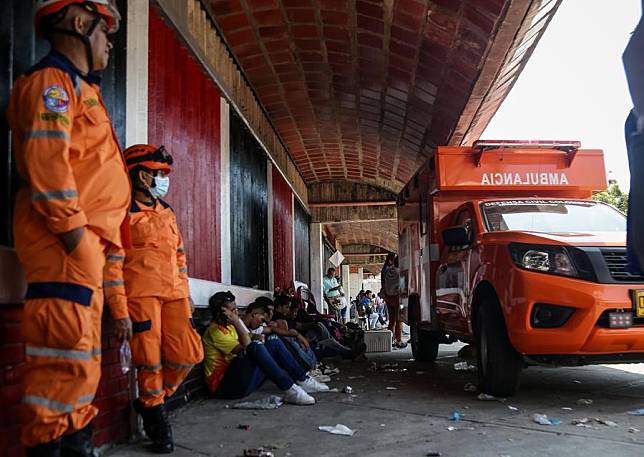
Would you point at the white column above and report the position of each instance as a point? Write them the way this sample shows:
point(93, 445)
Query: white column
point(271, 254)
point(136, 86)
point(346, 286)
point(293, 232)
point(317, 264)
point(224, 213)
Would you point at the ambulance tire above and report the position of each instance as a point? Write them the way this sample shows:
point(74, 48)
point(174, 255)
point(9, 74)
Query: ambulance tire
point(424, 346)
point(499, 364)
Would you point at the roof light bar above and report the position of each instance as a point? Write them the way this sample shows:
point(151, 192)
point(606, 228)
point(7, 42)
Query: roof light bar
point(527, 144)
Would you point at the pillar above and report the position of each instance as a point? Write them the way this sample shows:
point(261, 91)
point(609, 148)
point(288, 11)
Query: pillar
point(317, 265)
point(224, 163)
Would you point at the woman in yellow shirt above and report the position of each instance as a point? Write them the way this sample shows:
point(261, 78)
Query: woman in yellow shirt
point(236, 366)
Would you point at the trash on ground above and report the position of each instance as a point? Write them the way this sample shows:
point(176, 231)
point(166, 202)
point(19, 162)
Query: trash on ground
point(348, 390)
point(577, 382)
point(338, 429)
point(243, 427)
point(543, 419)
point(391, 388)
point(633, 430)
point(433, 454)
point(383, 425)
point(356, 377)
point(637, 412)
point(486, 397)
point(334, 390)
point(456, 416)
point(566, 408)
point(258, 452)
point(584, 401)
point(605, 422)
point(270, 402)
point(451, 429)
point(469, 387)
point(464, 366)
point(584, 423)
point(513, 408)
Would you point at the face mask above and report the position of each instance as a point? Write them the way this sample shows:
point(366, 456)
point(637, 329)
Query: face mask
point(161, 186)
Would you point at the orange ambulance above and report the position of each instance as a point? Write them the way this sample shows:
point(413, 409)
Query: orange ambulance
point(502, 246)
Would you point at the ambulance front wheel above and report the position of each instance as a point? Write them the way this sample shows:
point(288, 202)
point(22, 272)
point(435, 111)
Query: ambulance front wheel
point(424, 345)
point(499, 364)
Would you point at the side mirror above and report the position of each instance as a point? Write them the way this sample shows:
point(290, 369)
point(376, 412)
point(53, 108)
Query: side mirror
point(457, 236)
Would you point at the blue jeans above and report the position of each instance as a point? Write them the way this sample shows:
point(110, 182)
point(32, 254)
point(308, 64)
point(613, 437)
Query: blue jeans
point(260, 361)
point(635, 221)
point(306, 357)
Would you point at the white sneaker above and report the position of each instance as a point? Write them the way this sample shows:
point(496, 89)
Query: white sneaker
point(312, 385)
point(297, 396)
point(317, 374)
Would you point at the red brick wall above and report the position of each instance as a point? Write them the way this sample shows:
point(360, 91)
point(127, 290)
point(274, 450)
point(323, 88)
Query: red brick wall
point(112, 398)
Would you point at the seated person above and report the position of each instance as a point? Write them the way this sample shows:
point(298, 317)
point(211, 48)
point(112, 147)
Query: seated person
point(294, 342)
point(369, 309)
point(381, 309)
point(236, 366)
point(323, 344)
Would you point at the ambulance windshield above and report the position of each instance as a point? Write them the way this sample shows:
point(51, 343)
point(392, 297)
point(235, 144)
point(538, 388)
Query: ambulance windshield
point(552, 216)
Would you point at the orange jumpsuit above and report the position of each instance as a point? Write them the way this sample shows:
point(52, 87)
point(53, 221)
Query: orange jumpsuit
point(73, 175)
point(149, 282)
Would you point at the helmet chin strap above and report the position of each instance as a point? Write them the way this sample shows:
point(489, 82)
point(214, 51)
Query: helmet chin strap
point(85, 39)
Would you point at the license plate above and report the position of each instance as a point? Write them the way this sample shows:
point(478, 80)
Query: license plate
point(638, 302)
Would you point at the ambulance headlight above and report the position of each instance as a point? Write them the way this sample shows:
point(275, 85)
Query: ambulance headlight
point(556, 260)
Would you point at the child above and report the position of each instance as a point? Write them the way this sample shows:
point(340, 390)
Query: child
point(236, 366)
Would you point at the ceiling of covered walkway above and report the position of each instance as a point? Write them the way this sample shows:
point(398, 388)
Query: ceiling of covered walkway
point(360, 91)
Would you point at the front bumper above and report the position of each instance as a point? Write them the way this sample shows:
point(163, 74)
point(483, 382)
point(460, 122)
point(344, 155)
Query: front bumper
point(581, 334)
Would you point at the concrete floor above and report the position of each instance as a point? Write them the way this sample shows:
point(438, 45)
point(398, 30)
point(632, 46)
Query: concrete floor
point(412, 420)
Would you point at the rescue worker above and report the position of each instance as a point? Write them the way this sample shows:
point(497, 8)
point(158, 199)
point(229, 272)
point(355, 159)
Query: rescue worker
point(155, 295)
point(73, 199)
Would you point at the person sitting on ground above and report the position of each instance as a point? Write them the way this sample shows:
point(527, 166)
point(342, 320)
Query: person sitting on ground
point(323, 344)
point(236, 366)
point(293, 340)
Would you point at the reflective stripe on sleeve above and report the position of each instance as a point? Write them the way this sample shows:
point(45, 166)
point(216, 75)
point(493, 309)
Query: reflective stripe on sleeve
point(115, 258)
point(62, 353)
point(47, 134)
point(85, 399)
point(54, 195)
point(47, 403)
point(108, 284)
point(183, 270)
point(148, 367)
point(178, 366)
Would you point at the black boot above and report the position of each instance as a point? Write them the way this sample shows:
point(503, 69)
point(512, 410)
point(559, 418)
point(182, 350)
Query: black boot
point(157, 427)
point(51, 449)
point(78, 444)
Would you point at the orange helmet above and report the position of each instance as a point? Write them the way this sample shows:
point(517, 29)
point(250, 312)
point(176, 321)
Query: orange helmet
point(105, 8)
point(148, 156)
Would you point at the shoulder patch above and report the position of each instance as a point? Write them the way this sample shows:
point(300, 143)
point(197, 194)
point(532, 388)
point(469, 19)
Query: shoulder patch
point(56, 99)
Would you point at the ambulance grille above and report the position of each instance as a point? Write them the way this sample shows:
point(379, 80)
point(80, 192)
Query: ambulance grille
point(615, 259)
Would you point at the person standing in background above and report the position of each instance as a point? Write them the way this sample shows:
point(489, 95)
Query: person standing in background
point(390, 278)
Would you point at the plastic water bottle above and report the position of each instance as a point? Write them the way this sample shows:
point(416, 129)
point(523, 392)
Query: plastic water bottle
point(125, 354)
